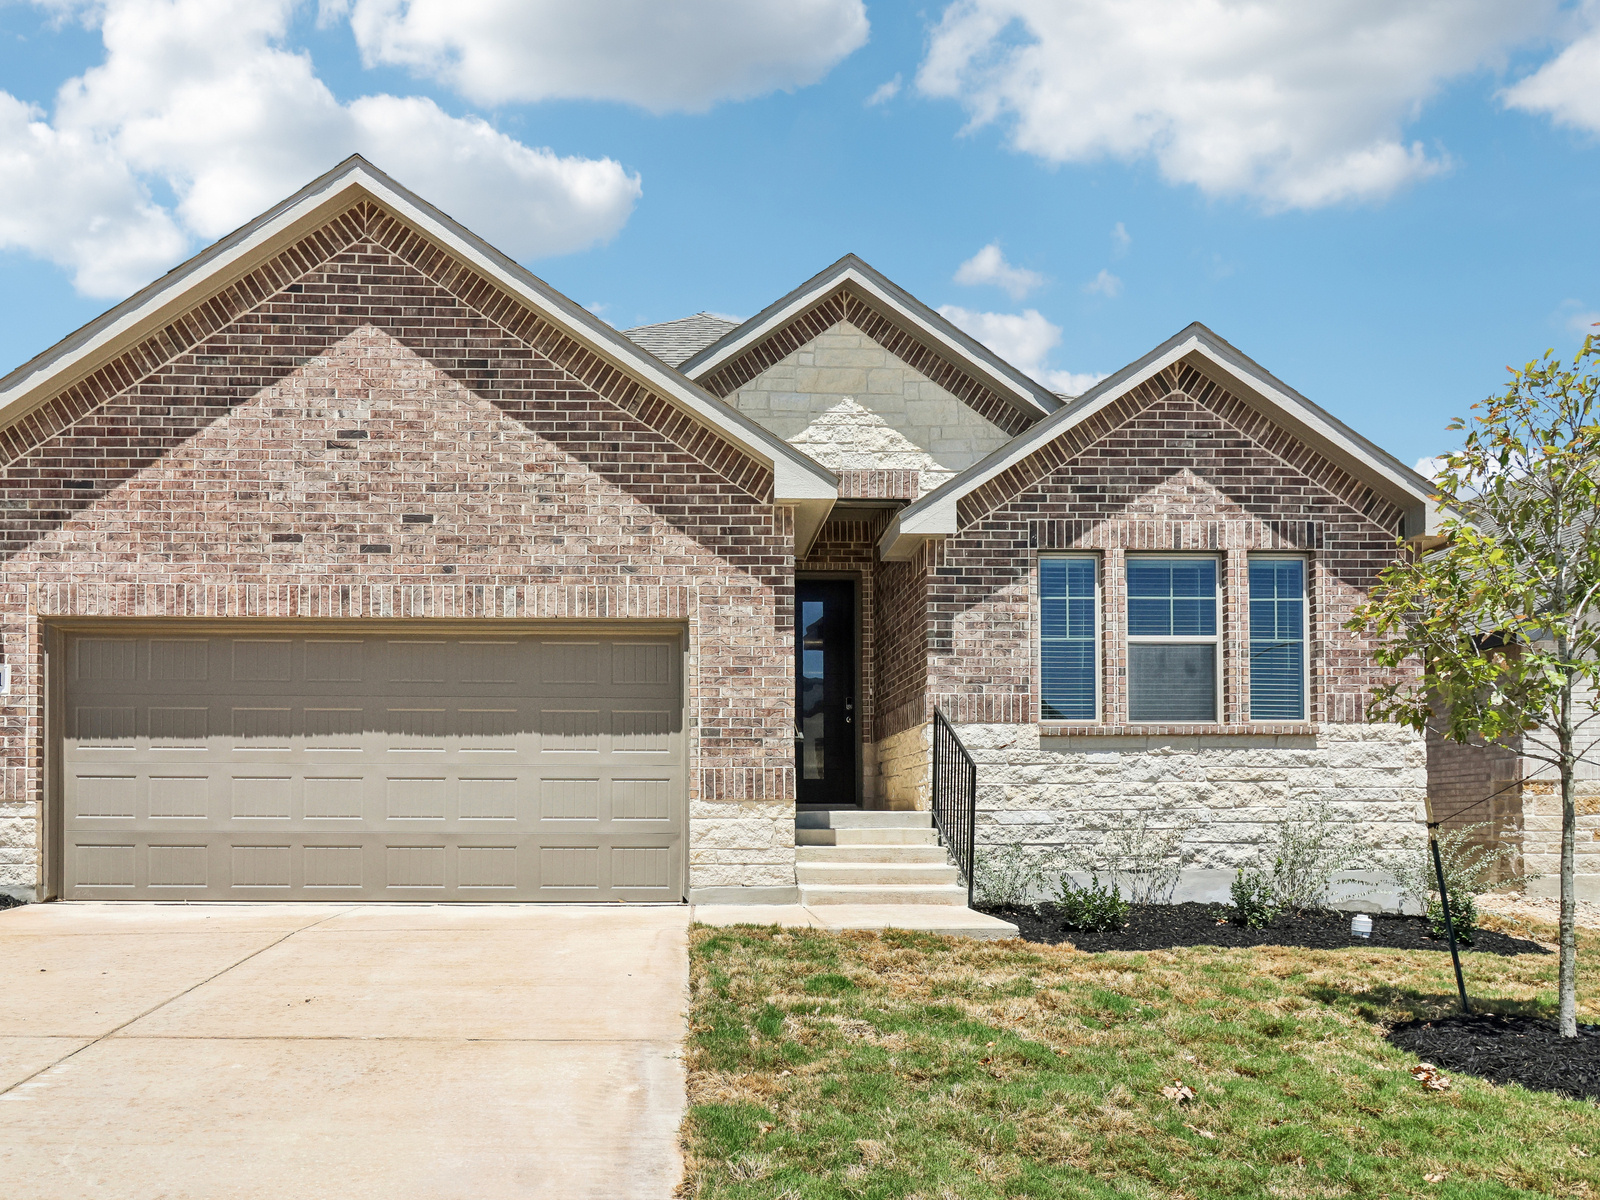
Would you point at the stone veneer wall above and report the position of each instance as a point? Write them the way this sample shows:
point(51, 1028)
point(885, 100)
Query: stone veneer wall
point(1049, 794)
point(363, 427)
point(853, 405)
point(905, 764)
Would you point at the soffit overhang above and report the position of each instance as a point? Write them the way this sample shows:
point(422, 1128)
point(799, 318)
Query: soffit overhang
point(853, 275)
point(798, 481)
point(936, 514)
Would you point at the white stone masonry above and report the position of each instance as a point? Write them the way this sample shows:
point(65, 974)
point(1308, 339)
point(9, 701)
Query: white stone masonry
point(852, 405)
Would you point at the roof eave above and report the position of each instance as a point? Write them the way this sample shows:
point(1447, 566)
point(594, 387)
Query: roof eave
point(935, 515)
point(1021, 390)
point(797, 478)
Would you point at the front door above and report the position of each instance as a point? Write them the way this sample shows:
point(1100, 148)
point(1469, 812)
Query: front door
point(826, 738)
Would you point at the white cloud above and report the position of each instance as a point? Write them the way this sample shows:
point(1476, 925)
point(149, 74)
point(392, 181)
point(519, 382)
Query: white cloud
point(1024, 340)
point(884, 92)
point(1104, 284)
point(1430, 466)
point(1298, 105)
point(682, 56)
point(1567, 88)
point(989, 266)
point(1120, 240)
point(198, 98)
point(1578, 317)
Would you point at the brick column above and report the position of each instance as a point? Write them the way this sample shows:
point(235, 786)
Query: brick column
point(1235, 663)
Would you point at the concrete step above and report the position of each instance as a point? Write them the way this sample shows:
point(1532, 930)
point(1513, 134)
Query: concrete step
point(875, 874)
point(909, 893)
point(858, 819)
point(866, 837)
point(928, 853)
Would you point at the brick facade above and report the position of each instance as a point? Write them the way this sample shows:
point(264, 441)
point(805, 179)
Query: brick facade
point(365, 427)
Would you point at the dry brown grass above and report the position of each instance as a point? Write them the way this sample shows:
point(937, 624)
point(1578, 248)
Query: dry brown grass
point(908, 1065)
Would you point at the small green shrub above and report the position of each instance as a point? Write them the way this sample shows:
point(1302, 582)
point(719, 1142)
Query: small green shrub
point(1007, 874)
point(1093, 905)
point(1253, 905)
point(1463, 915)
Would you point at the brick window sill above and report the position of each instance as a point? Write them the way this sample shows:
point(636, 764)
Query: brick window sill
point(1256, 729)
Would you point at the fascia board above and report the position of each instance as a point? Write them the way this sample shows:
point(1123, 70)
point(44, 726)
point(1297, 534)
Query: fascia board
point(912, 525)
point(801, 474)
point(935, 515)
point(180, 290)
point(1006, 379)
point(234, 256)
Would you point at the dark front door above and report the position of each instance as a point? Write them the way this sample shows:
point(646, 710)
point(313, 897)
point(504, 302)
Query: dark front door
point(826, 739)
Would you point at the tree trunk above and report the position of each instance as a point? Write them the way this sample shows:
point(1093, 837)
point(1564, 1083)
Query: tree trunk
point(1568, 980)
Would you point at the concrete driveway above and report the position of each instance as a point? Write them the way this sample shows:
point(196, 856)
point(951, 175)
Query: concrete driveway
point(346, 1051)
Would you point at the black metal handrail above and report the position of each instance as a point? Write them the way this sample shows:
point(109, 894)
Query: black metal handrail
point(955, 796)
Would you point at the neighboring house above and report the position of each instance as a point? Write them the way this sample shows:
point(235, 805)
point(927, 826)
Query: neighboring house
point(349, 559)
point(1508, 800)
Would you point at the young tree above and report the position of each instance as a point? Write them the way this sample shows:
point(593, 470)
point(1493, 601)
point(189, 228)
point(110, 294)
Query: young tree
point(1503, 622)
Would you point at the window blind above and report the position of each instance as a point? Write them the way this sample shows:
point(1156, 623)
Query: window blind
point(1277, 639)
point(1172, 679)
point(1067, 627)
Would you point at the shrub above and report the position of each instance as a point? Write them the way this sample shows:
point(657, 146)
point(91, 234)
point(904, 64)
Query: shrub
point(1463, 915)
point(1253, 905)
point(1469, 870)
point(1146, 859)
point(1093, 905)
point(1309, 854)
point(1006, 875)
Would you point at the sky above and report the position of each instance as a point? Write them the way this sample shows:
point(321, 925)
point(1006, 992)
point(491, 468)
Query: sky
point(1383, 202)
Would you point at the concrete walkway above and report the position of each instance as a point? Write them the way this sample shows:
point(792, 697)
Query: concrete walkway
point(310, 1051)
point(926, 918)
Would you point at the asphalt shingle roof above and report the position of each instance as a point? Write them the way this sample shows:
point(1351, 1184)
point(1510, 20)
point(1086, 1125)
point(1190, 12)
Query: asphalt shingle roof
point(674, 341)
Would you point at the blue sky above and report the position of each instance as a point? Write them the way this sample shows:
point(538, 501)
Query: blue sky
point(1385, 236)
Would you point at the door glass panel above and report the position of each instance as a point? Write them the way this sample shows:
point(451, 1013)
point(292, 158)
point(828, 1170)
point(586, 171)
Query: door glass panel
point(826, 735)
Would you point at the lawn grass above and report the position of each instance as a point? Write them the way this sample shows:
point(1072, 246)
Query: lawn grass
point(868, 1066)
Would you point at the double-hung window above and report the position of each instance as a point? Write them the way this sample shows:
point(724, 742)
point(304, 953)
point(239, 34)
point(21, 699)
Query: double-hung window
point(1069, 610)
point(1173, 671)
point(1277, 639)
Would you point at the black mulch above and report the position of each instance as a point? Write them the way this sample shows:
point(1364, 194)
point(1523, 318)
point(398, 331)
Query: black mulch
point(1521, 1050)
point(1162, 926)
point(7, 900)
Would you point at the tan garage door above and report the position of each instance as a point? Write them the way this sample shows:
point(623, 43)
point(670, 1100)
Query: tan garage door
point(265, 766)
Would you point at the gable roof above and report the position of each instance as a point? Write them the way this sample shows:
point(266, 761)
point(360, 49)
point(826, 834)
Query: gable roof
point(936, 514)
point(797, 479)
point(853, 275)
point(674, 341)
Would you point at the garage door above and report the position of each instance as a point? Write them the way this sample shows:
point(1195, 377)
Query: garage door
point(351, 766)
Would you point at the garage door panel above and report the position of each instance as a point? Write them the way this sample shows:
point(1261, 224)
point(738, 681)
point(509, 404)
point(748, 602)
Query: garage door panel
point(252, 766)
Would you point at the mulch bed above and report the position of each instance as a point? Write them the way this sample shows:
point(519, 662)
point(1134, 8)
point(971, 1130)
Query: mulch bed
point(1163, 926)
point(1522, 1050)
point(7, 900)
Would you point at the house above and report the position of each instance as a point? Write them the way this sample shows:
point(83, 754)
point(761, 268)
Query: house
point(349, 559)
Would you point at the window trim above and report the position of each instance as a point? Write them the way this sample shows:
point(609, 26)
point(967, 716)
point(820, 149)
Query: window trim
point(1216, 640)
point(1099, 637)
point(1305, 640)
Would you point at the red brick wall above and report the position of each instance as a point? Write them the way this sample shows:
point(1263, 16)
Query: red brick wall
point(1177, 465)
point(1472, 784)
point(848, 546)
point(902, 644)
point(392, 435)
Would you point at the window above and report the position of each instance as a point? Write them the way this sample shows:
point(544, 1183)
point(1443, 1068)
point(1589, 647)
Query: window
point(1277, 639)
point(1172, 639)
point(1069, 613)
